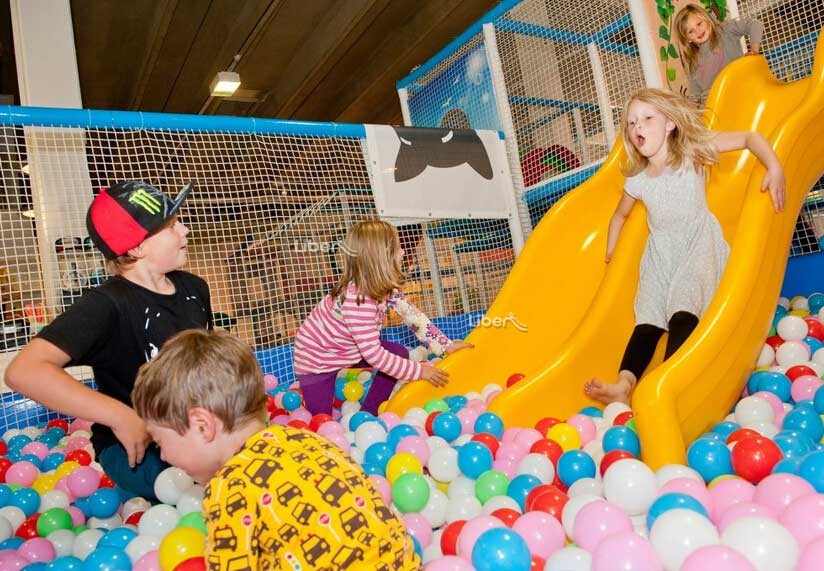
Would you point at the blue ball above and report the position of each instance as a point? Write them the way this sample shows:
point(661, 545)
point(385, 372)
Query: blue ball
point(11, 543)
point(710, 458)
point(447, 426)
point(767, 377)
point(26, 499)
point(291, 400)
point(37, 462)
point(119, 538)
point(574, 465)
point(18, 441)
point(673, 501)
point(474, 459)
point(456, 403)
point(813, 343)
point(378, 454)
point(5, 495)
point(107, 559)
point(593, 411)
point(359, 418)
point(398, 433)
point(104, 502)
point(416, 545)
point(52, 461)
point(501, 549)
point(812, 470)
point(84, 506)
point(520, 486)
point(725, 428)
point(776, 383)
point(340, 382)
point(787, 466)
point(373, 469)
point(804, 419)
point(780, 311)
point(67, 563)
point(491, 423)
point(815, 302)
point(36, 566)
point(622, 438)
point(818, 400)
point(793, 443)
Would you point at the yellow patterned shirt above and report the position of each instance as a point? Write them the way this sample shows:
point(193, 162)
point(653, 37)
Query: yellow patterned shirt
point(291, 500)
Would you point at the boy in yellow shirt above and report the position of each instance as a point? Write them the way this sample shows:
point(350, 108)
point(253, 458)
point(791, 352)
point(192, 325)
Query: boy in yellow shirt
point(276, 497)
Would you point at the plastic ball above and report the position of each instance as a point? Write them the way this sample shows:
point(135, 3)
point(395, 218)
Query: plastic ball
point(547, 498)
point(104, 502)
point(565, 435)
point(107, 559)
point(37, 549)
point(83, 481)
point(678, 532)
point(410, 492)
point(170, 485)
point(22, 473)
point(490, 484)
point(709, 458)
point(573, 465)
point(53, 520)
point(474, 459)
point(403, 463)
point(158, 520)
point(753, 458)
point(491, 423)
point(763, 541)
point(631, 485)
point(447, 425)
point(179, 545)
point(436, 405)
point(596, 521)
point(501, 550)
point(26, 499)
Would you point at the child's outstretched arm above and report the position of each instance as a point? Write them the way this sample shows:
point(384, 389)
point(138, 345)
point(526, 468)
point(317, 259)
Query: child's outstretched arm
point(749, 27)
point(616, 223)
point(760, 147)
point(427, 333)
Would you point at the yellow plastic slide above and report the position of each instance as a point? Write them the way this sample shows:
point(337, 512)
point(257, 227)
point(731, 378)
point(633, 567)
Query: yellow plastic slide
point(577, 310)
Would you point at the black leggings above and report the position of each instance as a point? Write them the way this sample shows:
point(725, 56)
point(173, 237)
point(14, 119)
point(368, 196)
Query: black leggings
point(645, 337)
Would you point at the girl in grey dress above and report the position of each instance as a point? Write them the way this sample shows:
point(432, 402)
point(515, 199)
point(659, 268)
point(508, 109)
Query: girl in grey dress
point(668, 151)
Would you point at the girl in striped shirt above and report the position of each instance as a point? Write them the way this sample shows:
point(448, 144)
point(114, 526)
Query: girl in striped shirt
point(343, 330)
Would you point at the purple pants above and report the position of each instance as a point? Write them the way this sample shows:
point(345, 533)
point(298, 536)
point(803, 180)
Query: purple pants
point(319, 388)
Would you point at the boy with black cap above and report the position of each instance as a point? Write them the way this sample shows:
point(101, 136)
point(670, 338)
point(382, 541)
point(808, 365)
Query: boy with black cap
point(118, 326)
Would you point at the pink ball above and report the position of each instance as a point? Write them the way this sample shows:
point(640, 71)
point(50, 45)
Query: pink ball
point(149, 562)
point(804, 518)
point(449, 563)
point(727, 493)
point(63, 485)
point(777, 491)
point(78, 517)
point(476, 404)
point(419, 528)
point(340, 441)
point(280, 420)
point(585, 427)
point(472, 530)
point(506, 465)
point(301, 414)
point(77, 443)
point(390, 419)
point(596, 521)
point(336, 414)
point(80, 424)
point(509, 451)
point(526, 438)
point(743, 509)
point(468, 416)
point(83, 481)
point(382, 484)
point(37, 448)
point(778, 420)
point(690, 487)
point(771, 398)
point(270, 383)
point(330, 427)
point(716, 558)
point(415, 445)
point(804, 387)
point(625, 550)
point(23, 473)
point(510, 434)
point(11, 561)
point(811, 556)
point(542, 532)
point(37, 549)
point(491, 396)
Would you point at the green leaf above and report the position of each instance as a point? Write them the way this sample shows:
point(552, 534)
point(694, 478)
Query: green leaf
point(663, 33)
point(670, 74)
point(721, 5)
point(662, 14)
point(672, 53)
point(664, 56)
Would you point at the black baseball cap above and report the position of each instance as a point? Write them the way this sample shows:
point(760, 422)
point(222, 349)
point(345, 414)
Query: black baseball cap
point(124, 215)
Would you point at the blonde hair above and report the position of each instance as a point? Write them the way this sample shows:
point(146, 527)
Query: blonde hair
point(370, 253)
point(688, 49)
point(213, 370)
point(690, 141)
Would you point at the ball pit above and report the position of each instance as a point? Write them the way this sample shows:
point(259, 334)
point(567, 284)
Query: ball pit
point(475, 494)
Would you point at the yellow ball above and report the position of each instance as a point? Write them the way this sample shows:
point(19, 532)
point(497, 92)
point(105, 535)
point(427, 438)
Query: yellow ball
point(442, 486)
point(44, 483)
point(65, 469)
point(353, 391)
point(566, 435)
point(800, 312)
point(179, 545)
point(382, 407)
point(400, 464)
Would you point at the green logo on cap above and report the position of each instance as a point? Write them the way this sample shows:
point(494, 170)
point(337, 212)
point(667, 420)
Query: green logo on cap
point(146, 201)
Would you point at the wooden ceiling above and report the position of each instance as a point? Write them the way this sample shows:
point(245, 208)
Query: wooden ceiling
point(321, 60)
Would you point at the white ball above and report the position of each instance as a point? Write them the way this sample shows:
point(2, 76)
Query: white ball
point(432, 551)
point(461, 440)
point(799, 302)
point(766, 357)
point(416, 416)
point(141, 545)
point(631, 485)
point(489, 389)
point(11, 433)
point(85, 543)
point(345, 418)
point(436, 443)
point(766, 543)
point(753, 409)
point(571, 509)
point(443, 464)
point(569, 559)
point(369, 433)
point(765, 428)
point(784, 302)
point(537, 465)
point(134, 505)
point(473, 395)
point(32, 432)
point(673, 471)
point(595, 448)
point(677, 533)
point(170, 484)
point(14, 515)
point(586, 486)
point(105, 522)
point(6, 530)
point(462, 507)
point(63, 541)
point(349, 408)
point(818, 357)
point(357, 454)
point(817, 367)
point(791, 328)
point(158, 520)
point(612, 410)
point(778, 369)
point(792, 353)
point(500, 502)
point(191, 500)
point(435, 509)
point(53, 499)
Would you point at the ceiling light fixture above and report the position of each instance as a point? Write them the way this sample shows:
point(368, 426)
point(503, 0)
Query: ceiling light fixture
point(225, 84)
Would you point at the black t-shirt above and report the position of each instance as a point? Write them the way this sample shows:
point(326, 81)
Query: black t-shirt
point(117, 327)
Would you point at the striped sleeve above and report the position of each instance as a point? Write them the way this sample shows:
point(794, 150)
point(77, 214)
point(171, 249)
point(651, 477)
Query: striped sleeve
point(361, 320)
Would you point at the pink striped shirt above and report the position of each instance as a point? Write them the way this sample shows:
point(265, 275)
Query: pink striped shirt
point(338, 334)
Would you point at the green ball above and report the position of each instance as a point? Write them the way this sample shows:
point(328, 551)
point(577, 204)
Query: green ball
point(771, 332)
point(14, 487)
point(436, 405)
point(410, 492)
point(490, 484)
point(52, 520)
point(193, 519)
point(631, 425)
point(78, 529)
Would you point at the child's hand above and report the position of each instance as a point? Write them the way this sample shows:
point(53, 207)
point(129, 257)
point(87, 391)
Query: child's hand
point(437, 377)
point(457, 345)
point(131, 432)
point(774, 182)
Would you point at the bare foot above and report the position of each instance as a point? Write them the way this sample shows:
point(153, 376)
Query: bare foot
point(609, 392)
